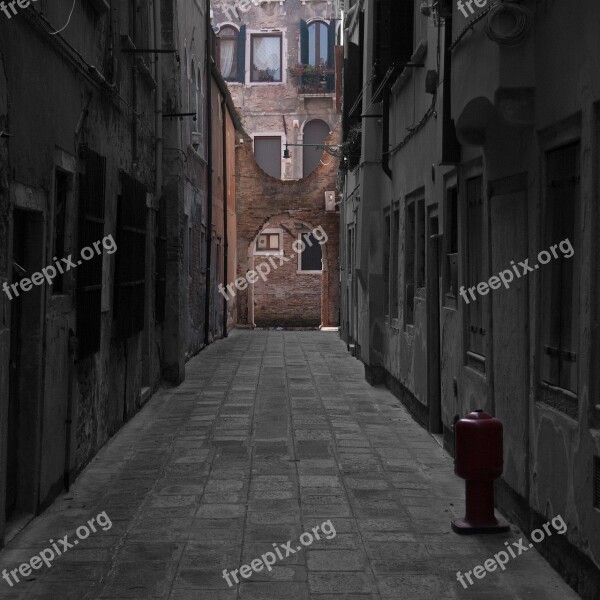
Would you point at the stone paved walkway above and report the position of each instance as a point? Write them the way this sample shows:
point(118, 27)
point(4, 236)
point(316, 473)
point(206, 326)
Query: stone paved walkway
point(272, 434)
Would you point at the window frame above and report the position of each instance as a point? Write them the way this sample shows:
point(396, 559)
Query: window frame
point(251, 37)
point(300, 270)
point(269, 252)
point(325, 26)
point(236, 37)
point(476, 312)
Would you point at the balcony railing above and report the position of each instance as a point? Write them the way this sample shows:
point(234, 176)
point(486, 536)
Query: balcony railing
point(313, 79)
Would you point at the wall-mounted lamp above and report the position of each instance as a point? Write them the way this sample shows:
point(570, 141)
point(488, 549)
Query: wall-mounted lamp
point(332, 149)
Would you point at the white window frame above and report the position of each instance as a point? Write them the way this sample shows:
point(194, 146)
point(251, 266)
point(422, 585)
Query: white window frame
point(299, 270)
point(269, 230)
point(282, 31)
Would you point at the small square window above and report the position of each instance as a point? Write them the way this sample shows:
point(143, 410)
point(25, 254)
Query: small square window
point(268, 241)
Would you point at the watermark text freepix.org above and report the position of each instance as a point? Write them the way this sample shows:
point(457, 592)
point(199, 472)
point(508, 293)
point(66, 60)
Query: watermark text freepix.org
point(264, 268)
point(11, 4)
point(501, 558)
point(506, 276)
point(47, 555)
point(268, 559)
point(50, 272)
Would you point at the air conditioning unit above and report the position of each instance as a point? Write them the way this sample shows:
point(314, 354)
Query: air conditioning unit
point(329, 201)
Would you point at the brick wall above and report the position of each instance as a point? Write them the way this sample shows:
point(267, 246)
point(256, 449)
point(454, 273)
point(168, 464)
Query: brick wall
point(286, 298)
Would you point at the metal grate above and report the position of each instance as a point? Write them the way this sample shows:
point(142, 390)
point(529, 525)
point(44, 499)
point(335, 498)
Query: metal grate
point(596, 482)
point(130, 276)
point(92, 183)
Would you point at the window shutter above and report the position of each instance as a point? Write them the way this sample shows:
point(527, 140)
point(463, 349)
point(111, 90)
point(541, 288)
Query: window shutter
point(241, 55)
point(89, 273)
point(303, 42)
point(331, 43)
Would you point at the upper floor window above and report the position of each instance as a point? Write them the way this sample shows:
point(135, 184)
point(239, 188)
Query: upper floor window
point(317, 44)
point(266, 58)
point(228, 52)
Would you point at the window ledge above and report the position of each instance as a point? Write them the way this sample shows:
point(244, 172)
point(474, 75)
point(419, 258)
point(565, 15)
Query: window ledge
point(475, 362)
point(300, 272)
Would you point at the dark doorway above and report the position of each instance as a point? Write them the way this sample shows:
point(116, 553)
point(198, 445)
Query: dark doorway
point(12, 477)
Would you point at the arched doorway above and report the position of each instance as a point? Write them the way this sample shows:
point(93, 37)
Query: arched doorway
point(291, 289)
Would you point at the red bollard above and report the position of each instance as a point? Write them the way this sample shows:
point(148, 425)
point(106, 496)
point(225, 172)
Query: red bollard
point(478, 459)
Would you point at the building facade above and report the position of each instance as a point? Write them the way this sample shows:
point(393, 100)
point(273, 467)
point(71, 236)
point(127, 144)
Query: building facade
point(279, 62)
point(470, 263)
point(103, 193)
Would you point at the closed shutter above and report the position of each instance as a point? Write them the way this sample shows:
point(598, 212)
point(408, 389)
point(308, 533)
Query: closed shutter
point(241, 55)
point(91, 229)
point(560, 277)
point(475, 258)
point(161, 262)
point(303, 42)
point(131, 258)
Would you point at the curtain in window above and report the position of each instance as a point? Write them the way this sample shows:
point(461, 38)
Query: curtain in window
point(266, 55)
point(227, 49)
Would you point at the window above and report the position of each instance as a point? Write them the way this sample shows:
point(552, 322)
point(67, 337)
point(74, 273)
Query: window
point(61, 190)
point(130, 270)
point(265, 58)
point(268, 241)
point(317, 53)
point(91, 229)
point(394, 304)
point(414, 272)
point(317, 44)
point(227, 52)
point(310, 259)
point(409, 262)
point(475, 265)
point(452, 232)
point(160, 244)
point(386, 264)
point(560, 276)
point(267, 150)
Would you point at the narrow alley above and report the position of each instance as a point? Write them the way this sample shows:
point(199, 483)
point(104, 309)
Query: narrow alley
point(271, 435)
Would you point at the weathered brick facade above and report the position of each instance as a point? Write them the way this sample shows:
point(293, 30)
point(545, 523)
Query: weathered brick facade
point(286, 298)
point(289, 107)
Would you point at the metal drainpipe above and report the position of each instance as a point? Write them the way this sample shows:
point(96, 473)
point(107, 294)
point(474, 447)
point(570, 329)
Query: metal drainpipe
point(385, 134)
point(209, 169)
point(225, 199)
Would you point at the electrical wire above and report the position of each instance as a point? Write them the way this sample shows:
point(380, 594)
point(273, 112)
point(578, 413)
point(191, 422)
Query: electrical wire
point(68, 21)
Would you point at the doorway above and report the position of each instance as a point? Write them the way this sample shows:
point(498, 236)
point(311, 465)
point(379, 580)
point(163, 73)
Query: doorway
point(24, 423)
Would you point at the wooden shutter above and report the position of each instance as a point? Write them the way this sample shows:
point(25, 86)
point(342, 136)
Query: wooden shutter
point(131, 258)
point(331, 54)
point(393, 40)
point(303, 42)
point(241, 55)
point(91, 229)
point(161, 262)
point(475, 256)
point(560, 277)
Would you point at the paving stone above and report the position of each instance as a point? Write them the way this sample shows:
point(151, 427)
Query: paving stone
point(192, 489)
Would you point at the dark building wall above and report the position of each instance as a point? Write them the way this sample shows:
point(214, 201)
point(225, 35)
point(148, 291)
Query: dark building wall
point(513, 108)
point(53, 104)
